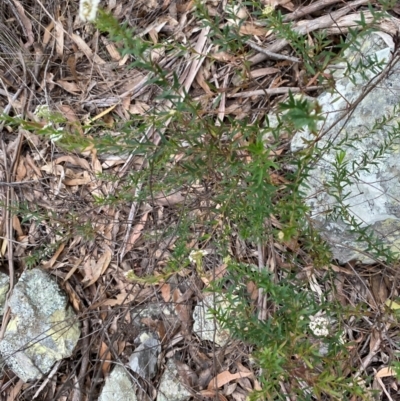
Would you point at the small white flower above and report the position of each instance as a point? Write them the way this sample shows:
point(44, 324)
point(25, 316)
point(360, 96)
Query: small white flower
point(196, 256)
point(320, 326)
point(267, 10)
point(55, 137)
point(42, 111)
point(88, 9)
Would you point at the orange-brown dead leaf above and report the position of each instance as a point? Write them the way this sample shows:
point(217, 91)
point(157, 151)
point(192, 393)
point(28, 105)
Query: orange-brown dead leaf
point(262, 72)
point(73, 297)
point(93, 270)
point(249, 28)
point(17, 226)
point(225, 377)
point(59, 35)
point(112, 50)
point(86, 49)
point(74, 160)
point(181, 306)
point(385, 372)
point(106, 357)
point(71, 87)
point(200, 79)
point(47, 33)
point(49, 264)
point(186, 7)
point(166, 292)
point(21, 169)
point(68, 112)
point(13, 391)
point(86, 179)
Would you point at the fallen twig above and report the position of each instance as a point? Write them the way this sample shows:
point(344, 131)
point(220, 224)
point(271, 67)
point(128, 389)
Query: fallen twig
point(273, 91)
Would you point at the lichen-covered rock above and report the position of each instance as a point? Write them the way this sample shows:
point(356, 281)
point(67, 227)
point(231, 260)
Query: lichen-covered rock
point(43, 329)
point(144, 359)
point(205, 325)
point(118, 386)
point(171, 388)
point(373, 196)
point(4, 287)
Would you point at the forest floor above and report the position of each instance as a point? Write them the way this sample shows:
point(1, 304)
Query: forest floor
point(49, 57)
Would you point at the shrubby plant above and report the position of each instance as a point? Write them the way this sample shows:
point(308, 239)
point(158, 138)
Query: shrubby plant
point(296, 354)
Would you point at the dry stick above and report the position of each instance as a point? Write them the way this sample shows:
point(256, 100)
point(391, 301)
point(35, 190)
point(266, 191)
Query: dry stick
point(8, 221)
point(222, 104)
point(384, 388)
point(283, 90)
point(284, 391)
point(85, 357)
point(304, 27)
point(262, 298)
point(318, 5)
point(271, 55)
point(8, 218)
point(49, 376)
point(343, 24)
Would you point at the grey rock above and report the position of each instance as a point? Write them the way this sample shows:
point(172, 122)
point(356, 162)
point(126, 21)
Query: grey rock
point(4, 287)
point(205, 325)
point(170, 388)
point(374, 195)
point(145, 357)
point(43, 328)
point(118, 386)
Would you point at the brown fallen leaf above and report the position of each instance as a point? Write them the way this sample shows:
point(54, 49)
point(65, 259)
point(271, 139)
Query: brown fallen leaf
point(249, 28)
point(112, 50)
point(93, 270)
point(21, 169)
point(73, 297)
point(70, 87)
point(201, 80)
point(75, 160)
point(17, 226)
point(106, 357)
point(13, 392)
point(385, 372)
point(86, 49)
point(68, 112)
point(59, 35)
point(47, 33)
point(49, 264)
point(26, 23)
point(225, 377)
point(166, 291)
point(86, 179)
point(182, 306)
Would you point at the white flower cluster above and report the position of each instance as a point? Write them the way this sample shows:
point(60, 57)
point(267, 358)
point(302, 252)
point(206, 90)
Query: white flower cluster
point(88, 9)
point(197, 255)
point(320, 326)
